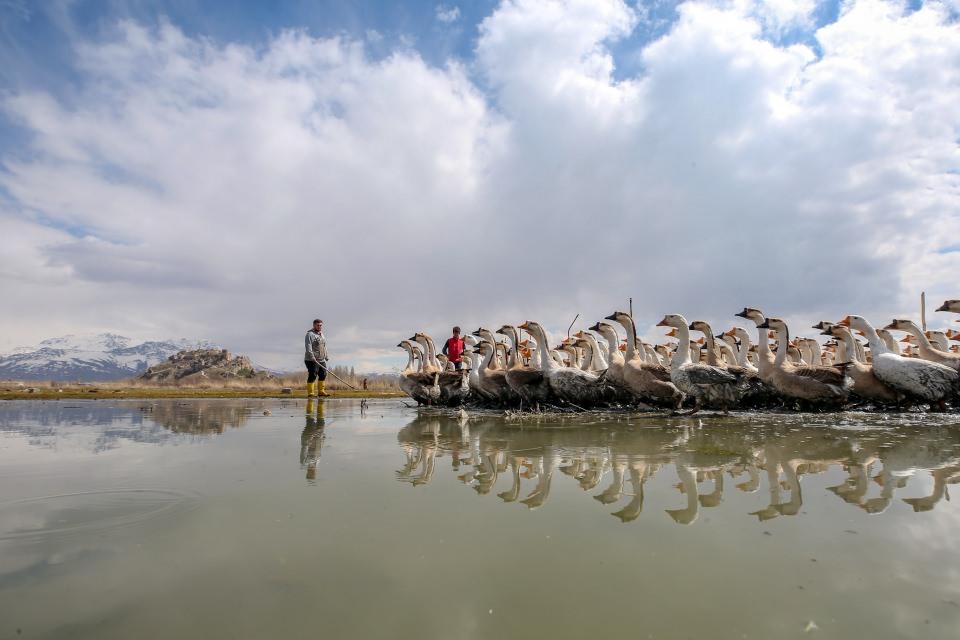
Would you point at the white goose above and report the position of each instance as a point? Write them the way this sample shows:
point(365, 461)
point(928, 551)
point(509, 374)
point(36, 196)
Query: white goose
point(927, 350)
point(930, 381)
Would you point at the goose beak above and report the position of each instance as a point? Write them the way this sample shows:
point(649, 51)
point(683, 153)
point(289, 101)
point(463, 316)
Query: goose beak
point(413, 339)
point(400, 345)
point(845, 322)
point(663, 323)
point(612, 316)
point(731, 333)
point(892, 326)
point(595, 327)
point(476, 333)
point(691, 327)
point(742, 314)
point(764, 325)
point(826, 332)
point(942, 307)
point(525, 326)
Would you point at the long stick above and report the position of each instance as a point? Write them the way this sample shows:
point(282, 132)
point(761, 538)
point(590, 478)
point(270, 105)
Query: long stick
point(923, 309)
point(340, 379)
point(571, 324)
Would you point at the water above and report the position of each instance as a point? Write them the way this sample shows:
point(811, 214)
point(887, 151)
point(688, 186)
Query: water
point(209, 519)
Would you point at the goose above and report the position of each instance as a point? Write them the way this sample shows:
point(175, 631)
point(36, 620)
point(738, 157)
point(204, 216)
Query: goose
point(589, 350)
point(597, 361)
point(927, 351)
point(865, 383)
point(727, 356)
point(528, 382)
point(493, 382)
point(649, 382)
point(713, 349)
point(706, 384)
point(614, 357)
point(888, 340)
point(571, 385)
point(502, 354)
point(430, 363)
point(808, 383)
point(930, 381)
point(764, 355)
point(415, 384)
point(663, 355)
point(743, 351)
point(938, 339)
point(953, 306)
point(454, 385)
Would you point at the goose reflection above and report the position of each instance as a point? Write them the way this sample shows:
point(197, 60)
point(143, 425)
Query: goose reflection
point(616, 464)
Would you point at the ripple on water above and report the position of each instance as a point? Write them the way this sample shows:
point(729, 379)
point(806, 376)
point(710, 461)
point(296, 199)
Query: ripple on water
point(94, 512)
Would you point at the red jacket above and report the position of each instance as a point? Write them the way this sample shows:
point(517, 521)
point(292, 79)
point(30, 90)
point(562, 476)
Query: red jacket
point(454, 349)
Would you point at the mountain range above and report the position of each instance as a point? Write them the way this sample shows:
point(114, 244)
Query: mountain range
point(90, 358)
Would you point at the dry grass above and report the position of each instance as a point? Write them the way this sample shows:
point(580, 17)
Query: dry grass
point(45, 390)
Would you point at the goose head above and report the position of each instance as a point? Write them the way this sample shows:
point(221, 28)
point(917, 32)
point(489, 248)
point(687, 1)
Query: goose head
point(701, 326)
point(857, 323)
point(674, 320)
point(953, 306)
point(823, 325)
point(749, 313)
point(899, 324)
point(776, 324)
point(619, 316)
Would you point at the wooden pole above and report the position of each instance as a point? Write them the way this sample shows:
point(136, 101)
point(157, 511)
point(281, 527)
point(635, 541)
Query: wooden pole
point(571, 324)
point(631, 308)
point(923, 309)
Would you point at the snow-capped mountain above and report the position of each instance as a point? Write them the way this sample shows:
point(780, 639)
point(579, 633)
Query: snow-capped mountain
point(88, 358)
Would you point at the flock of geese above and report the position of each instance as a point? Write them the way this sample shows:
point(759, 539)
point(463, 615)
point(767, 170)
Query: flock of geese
point(595, 368)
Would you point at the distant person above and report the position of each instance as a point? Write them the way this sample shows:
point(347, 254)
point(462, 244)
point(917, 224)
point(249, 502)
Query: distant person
point(453, 349)
point(315, 358)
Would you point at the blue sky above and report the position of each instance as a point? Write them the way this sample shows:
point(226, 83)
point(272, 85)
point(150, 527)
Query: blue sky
point(181, 168)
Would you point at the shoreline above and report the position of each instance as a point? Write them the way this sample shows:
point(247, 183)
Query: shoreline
point(107, 393)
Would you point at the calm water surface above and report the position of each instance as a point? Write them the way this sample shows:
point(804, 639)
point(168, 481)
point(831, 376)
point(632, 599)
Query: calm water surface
point(210, 519)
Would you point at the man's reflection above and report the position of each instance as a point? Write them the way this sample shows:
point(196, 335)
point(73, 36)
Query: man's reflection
point(311, 440)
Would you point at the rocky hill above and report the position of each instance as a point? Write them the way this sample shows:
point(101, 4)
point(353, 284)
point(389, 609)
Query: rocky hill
point(203, 365)
point(89, 358)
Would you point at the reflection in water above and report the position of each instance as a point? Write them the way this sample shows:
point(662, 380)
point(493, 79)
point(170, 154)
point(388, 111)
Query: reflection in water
point(99, 426)
point(311, 439)
point(877, 461)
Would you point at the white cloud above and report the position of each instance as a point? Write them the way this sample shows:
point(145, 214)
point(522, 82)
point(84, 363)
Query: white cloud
point(447, 15)
point(234, 193)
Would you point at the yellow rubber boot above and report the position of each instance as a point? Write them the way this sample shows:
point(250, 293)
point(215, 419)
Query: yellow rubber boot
point(310, 386)
point(322, 389)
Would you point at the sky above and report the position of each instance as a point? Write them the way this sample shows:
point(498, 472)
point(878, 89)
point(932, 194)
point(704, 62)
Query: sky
point(230, 170)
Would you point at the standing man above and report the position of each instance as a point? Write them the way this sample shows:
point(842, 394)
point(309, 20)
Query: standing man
point(315, 358)
point(453, 349)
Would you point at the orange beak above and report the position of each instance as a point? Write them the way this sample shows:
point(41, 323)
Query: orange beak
point(525, 326)
point(845, 322)
point(672, 333)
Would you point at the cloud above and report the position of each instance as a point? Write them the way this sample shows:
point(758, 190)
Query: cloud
point(447, 15)
point(233, 192)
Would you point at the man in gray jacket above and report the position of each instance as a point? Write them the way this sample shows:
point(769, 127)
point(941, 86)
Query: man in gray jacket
point(315, 358)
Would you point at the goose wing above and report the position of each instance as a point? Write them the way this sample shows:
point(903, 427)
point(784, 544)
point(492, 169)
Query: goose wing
point(704, 374)
point(826, 375)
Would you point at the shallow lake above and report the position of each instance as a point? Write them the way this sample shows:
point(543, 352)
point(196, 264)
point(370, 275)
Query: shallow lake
point(288, 519)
